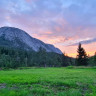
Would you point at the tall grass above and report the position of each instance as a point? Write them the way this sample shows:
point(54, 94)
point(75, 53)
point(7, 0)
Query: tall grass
point(70, 81)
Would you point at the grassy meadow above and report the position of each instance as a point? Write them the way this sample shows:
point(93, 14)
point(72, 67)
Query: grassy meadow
point(48, 82)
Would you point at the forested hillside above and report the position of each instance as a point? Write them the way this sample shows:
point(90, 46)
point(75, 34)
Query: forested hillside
point(13, 58)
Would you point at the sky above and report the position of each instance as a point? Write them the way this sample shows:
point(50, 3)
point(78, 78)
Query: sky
point(63, 23)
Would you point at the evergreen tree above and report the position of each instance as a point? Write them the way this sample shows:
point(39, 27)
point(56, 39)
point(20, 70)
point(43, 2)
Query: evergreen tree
point(95, 59)
point(82, 58)
point(42, 57)
point(64, 60)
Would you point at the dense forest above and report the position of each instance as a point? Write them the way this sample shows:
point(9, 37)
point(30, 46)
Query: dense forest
point(14, 58)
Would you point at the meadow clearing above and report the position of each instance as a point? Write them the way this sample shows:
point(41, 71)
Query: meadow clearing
point(48, 82)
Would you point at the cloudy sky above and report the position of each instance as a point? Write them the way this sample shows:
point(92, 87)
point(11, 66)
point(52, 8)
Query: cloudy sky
point(63, 23)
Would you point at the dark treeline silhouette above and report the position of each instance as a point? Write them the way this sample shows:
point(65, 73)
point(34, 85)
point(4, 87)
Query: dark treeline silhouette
point(82, 58)
point(92, 60)
point(14, 58)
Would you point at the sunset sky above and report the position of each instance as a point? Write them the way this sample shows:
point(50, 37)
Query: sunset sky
point(63, 23)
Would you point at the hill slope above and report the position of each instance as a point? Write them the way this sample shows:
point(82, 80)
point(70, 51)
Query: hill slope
point(17, 38)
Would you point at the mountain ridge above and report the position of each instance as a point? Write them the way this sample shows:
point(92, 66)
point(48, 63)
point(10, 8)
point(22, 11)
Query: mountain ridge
point(17, 38)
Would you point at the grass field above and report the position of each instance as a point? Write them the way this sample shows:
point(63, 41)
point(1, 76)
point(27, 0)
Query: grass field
point(48, 82)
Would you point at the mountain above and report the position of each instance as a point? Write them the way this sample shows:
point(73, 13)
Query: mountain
point(17, 38)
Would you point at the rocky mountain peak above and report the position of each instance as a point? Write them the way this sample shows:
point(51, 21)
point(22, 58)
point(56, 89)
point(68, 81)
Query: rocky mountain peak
point(17, 38)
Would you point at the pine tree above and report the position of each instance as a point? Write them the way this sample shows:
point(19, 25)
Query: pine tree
point(95, 59)
point(82, 58)
point(64, 60)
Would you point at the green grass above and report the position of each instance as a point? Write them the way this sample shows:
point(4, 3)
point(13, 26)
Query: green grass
point(70, 81)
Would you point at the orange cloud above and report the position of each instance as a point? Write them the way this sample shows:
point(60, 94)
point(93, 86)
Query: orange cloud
point(48, 32)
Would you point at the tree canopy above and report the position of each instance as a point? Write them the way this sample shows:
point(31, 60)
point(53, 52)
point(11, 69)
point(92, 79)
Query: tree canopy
point(82, 58)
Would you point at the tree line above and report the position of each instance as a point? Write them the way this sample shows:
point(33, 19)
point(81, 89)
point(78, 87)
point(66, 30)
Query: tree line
point(14, 58)
point(83, 59)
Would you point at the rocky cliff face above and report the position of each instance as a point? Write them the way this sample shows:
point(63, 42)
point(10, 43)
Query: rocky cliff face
point(17, 38)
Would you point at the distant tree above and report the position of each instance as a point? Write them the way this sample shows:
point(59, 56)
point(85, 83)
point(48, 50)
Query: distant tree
point(42, 57)
point(82, 58)
point(95, 59)
point(71, 62)
point(64, 60)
